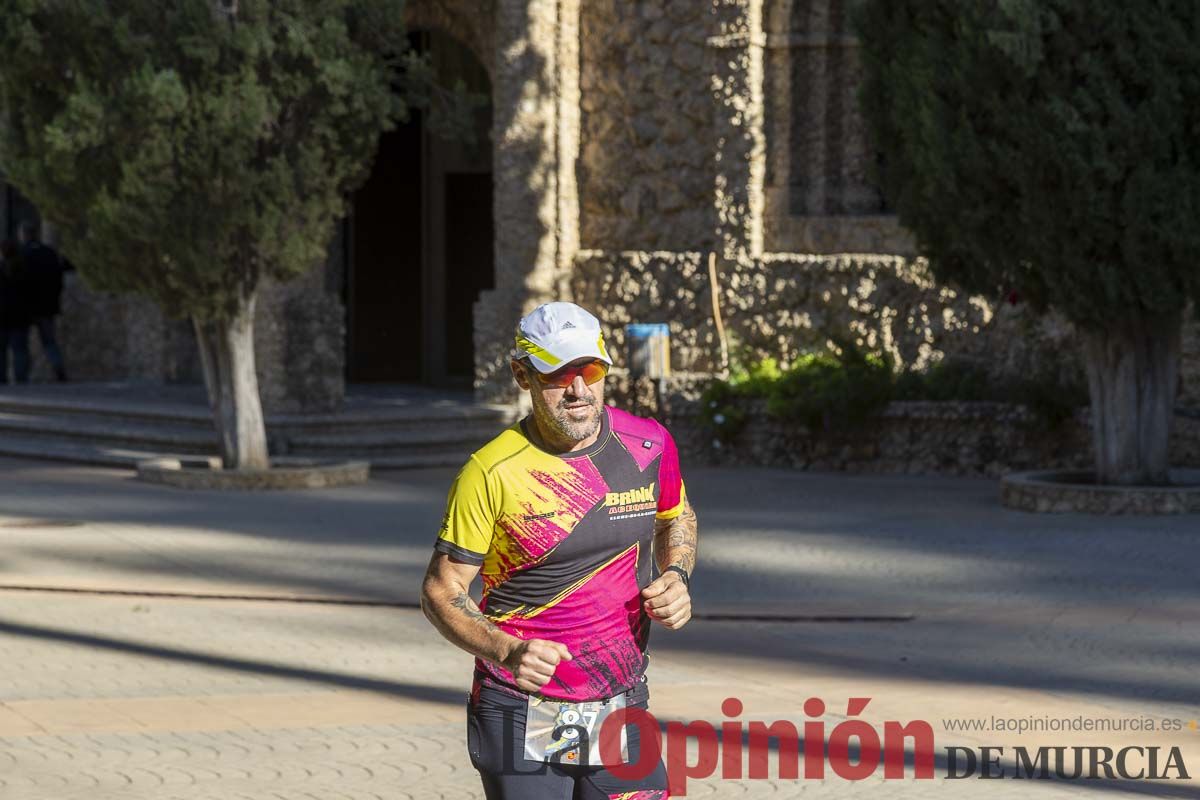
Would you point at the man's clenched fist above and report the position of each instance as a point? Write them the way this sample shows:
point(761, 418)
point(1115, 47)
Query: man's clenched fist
point(667, 601)
point(533, 661)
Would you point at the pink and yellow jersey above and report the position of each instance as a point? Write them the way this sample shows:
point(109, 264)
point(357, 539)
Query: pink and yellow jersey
point(564, 546)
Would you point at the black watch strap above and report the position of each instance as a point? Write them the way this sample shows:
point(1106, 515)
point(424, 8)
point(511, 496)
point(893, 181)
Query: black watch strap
point(687, 579)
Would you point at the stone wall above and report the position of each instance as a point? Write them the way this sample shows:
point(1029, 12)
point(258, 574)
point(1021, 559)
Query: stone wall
point(910, 437)
point(299, 344)
point(111, 337)
point(535, 85)
point(659, 286)
point(982, 439)
point(784, 304)
point(737, 89)
point(820, 194)
point(467, 20)
point(976, 439)
point(831, 235)
point(645, 171)
point(299, 330)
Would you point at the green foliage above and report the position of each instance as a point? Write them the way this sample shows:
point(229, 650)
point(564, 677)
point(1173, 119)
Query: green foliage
point(187, 152)
point(946, 381)
point(724, 403)
point(1053, 398)
point(756, 376)
point(1051, 394)
point(819, 390)
point(832, 392)
point(829, 392)
point(724, 408)
point(1052, 146)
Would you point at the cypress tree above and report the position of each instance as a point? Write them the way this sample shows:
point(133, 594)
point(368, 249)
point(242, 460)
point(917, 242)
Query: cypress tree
point(189, 149)
point(1053, 147)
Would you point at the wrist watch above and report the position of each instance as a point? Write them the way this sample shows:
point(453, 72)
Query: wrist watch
point(687, 580)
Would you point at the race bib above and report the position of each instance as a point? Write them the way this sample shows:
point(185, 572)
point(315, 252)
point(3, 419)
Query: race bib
point(569, 733)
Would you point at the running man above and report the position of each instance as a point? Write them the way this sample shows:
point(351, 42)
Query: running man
point(565, 514)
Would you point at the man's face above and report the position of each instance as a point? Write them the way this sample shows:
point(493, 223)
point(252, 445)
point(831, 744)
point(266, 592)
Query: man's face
point(573, 411)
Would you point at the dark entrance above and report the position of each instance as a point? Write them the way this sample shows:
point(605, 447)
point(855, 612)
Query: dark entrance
point(419, 243)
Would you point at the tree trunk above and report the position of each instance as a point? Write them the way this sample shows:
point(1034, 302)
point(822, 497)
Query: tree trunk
point(227, 357)
point(1133, 371)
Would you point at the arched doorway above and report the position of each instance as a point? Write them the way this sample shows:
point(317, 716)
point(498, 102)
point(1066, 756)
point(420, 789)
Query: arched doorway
point(419, 242)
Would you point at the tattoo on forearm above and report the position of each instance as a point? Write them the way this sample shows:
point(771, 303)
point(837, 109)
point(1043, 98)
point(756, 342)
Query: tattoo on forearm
point(467, 606)
point(675, 540)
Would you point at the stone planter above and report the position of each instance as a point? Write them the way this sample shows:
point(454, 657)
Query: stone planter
point(909, 437)
point(285, 473)
point(1065, 491)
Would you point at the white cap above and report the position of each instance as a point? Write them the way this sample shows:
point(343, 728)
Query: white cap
point(555, 334)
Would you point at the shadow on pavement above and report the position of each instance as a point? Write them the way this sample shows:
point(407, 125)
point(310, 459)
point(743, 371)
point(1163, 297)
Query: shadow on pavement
point(408, 691)
point(1105, 606)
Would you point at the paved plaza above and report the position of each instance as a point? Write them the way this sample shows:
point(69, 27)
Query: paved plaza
point(158, 643)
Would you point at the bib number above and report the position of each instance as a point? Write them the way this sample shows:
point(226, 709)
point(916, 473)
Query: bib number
point(569, 733)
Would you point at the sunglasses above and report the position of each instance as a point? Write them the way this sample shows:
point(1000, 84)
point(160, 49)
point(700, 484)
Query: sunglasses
point(592, 372)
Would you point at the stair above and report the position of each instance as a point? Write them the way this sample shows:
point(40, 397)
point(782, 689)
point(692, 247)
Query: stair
point(115, 425)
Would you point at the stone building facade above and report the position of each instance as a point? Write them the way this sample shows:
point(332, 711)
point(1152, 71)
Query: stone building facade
point(632, 144)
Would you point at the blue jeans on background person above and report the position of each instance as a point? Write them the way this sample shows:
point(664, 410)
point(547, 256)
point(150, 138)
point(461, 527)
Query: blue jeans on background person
point(17, 340)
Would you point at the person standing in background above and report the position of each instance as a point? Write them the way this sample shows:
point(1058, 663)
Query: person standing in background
point(44, 271)
point(15, 318)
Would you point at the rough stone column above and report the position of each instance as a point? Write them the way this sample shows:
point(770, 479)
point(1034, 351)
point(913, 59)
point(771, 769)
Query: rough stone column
point(737, 81)
point(569, 114)
point(535, 92)
point(300, 342)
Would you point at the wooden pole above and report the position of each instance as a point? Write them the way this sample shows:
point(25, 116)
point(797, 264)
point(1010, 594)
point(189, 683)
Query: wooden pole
point(716, 309)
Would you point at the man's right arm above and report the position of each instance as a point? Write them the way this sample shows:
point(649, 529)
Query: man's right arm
point(447, 603)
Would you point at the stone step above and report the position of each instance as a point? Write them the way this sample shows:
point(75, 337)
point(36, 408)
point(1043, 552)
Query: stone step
point(78, 452)
point(20, 401)
point(94, 454)
point(372, 417)
point(113, 425)
point(151, 438)
point(457, 449)
point(472, 435)
point(371, 420)
point(447, 458)
point(122, 434)
point(85, 441)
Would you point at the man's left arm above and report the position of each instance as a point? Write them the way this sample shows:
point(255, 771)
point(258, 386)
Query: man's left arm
point(667, 599)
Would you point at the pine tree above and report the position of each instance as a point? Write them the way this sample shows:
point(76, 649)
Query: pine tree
point(1053, 147)
point(189, 149)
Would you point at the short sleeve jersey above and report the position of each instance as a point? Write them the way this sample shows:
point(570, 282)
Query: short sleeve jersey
point(564, 544)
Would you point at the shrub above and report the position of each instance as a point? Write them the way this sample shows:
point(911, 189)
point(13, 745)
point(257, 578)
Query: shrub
point(832, 392)
point(829, 392)
point(820, 390)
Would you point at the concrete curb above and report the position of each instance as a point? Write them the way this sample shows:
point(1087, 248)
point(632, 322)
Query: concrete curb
point(1057, 491)
point(285, 473)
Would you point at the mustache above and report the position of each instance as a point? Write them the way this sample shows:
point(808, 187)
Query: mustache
point(589, 400)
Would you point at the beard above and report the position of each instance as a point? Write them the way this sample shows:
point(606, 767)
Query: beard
point(559, 419)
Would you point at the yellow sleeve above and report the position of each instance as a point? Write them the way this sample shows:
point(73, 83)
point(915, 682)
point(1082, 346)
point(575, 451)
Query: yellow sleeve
point(470, 519)
point(677, 509)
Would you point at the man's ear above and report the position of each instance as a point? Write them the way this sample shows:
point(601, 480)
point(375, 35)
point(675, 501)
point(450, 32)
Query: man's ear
point(519, 374)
